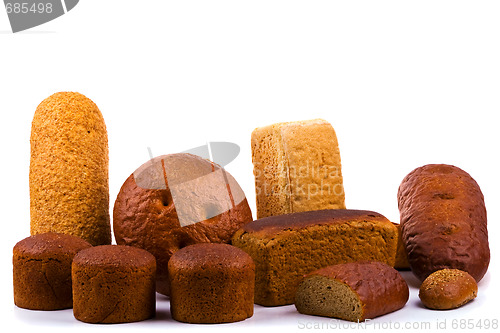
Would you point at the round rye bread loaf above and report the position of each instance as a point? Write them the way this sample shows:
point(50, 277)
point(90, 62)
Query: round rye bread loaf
point(174, 201)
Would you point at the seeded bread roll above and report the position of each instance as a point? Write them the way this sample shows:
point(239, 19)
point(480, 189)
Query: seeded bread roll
point(443, 221)
point(297, 168)
point(68, 176)
point(286, 247)
point(447, 289)
point(42, 270)
point(354, 291)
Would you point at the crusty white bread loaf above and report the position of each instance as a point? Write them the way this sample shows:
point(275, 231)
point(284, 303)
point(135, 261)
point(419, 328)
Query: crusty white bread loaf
point(297, 168)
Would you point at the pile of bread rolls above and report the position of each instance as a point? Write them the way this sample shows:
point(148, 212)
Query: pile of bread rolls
point(178, 201)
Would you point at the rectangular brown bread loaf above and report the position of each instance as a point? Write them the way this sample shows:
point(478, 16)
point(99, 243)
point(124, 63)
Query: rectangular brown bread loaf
point(297, 168)
point(286, 247)
point(443, 221)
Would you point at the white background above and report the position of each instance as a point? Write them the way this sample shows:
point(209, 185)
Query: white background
point(403, 84)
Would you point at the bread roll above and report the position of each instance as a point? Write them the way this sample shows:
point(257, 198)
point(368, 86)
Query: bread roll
point(447, 289)
point(443, 221)
point(354, 291)
point(68, 174)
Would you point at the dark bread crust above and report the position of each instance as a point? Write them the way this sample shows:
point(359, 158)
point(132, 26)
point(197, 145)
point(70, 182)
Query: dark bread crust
point(113, 284)
point(443, 221)
point(211, 283)
point(147, 219)
point(42, 270)
point(381, 289)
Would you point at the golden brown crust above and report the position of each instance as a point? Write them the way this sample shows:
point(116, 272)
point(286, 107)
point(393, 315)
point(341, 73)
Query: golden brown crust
point(42, 270)
point(443, 220)
point(211, 283)
point(286, 247)
point(147, 219)
point(69, 191)
point(381, 289)
point(113, 284)
point(447, 289)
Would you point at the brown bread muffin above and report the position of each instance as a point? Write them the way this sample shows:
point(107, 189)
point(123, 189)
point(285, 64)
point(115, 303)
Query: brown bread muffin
point(146, 216)
point(297, 168)
point(42, 270)
point(113, 284)
point(447, 289)
point(354, 291)
point(68, 175)
point(211, 283)
point(443, 221)
point(286, 247)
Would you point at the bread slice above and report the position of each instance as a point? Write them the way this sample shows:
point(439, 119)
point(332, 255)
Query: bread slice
point(297, 168)
point(286, 247)
point(354, 291)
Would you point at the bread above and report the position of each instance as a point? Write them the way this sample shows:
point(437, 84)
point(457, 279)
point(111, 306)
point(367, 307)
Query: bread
point(42, 270)
point(297, 168)
point(286, 247)
point(211, 283)
point(113, 284)
point(447, 289)
point(354, 291)
point(68, 175)
point(443, 221)
point(147, 215)
point(401, 262)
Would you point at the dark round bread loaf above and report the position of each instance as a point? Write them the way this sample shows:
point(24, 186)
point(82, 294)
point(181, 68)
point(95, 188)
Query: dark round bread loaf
point(148, 218)
point(211, 283)
point(113, 284)
point(443, 221)
point(42, 270)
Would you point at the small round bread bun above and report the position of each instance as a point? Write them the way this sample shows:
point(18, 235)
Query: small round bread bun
point(42, 270)
point(113, 284)
point(447, 289)
point(211, 284)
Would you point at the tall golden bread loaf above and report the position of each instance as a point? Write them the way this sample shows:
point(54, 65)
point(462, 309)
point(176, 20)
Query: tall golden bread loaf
point(68, 176)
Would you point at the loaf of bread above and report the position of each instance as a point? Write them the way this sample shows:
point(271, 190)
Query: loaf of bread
point(443, 221)
point(447, 289)
point(286, 247)
point(401, 256)
point(297, 168)
point(42, 270)
point(113, 284)
point(354, 291)
point(211, 284)
point(68, 176)
point(178, 200)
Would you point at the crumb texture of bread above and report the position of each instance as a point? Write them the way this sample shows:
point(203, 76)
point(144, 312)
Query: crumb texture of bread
point(353, 291)
point(443, 221)
point(113, 284)
point(448, 289)
point(211, 283)
point(42, 270)
point(401, 262)
point(297, 168)
point(286, 247)
point(68, 175)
